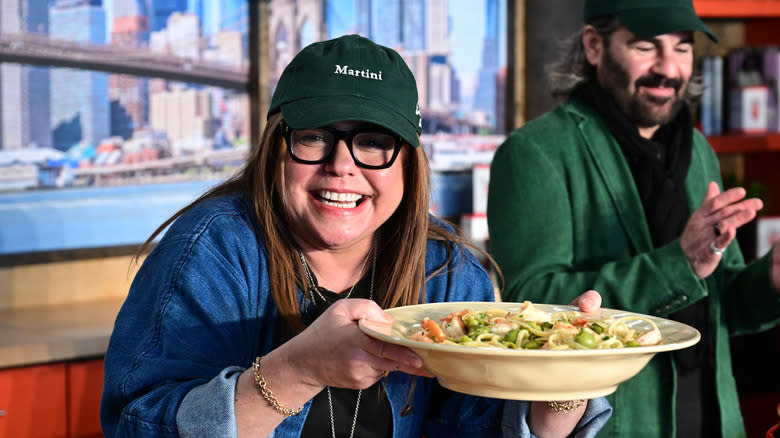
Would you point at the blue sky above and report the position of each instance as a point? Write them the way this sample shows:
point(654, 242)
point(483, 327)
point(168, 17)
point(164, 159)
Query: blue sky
point(467, 32)
point(467, 20)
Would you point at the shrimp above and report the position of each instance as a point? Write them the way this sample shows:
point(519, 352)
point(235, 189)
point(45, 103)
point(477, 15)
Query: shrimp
point(420, 336)
point(580, 321)
point(503, 328)
point(566, 327)
point(653, 337)
point(453, 325)
point(433, 330)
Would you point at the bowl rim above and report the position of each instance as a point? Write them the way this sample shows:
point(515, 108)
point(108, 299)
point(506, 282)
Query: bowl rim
point(378, 330)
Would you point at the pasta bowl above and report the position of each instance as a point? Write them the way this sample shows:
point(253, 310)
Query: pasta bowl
point(528, 374)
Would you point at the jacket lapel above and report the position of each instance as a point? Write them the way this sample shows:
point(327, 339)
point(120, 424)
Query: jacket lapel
point(615, 173)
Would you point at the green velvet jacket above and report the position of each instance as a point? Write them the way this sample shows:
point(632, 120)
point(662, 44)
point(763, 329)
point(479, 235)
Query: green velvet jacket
point(565, 216)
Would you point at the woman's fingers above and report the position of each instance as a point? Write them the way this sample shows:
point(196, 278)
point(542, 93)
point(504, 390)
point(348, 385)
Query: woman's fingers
point(589, 301)
point(337, 353)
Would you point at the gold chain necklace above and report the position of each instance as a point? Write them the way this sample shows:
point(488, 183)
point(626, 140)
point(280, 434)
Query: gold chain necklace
point(310, 277)
point(316, 289)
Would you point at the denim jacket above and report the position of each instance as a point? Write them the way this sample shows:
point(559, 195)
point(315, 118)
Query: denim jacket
point(200, 310)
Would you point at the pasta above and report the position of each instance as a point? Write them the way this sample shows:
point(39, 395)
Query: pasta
point(532, 328)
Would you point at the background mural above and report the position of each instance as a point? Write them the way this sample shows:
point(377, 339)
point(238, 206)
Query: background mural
point(115, 113)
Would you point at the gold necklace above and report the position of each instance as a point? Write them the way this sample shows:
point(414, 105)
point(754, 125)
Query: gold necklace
point(316, 289)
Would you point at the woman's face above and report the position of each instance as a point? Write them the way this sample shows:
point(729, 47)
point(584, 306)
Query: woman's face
point(337, 204)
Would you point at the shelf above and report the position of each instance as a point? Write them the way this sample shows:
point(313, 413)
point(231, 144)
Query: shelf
point(745, 143)
point(737, 8)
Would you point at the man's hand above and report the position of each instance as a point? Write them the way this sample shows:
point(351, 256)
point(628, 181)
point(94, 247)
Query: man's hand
point(713, 226)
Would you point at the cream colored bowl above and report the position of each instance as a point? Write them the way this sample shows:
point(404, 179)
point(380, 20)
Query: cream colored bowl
point(527, 374)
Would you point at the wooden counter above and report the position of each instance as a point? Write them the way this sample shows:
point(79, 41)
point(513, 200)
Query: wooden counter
point(58, 332)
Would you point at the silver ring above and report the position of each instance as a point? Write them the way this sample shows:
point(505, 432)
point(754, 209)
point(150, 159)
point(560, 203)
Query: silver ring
point(715, 249)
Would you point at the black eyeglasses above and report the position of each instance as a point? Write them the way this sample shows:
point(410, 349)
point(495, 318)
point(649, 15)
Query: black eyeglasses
point(371, 148)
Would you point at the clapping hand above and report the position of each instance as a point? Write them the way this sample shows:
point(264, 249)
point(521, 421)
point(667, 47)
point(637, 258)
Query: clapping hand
point(713, 226)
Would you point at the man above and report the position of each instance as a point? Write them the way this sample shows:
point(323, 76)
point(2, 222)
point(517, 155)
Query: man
point(614, 190)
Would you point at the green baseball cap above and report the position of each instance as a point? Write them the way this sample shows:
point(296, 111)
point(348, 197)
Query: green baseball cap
point(349, 78)
point(648, 18)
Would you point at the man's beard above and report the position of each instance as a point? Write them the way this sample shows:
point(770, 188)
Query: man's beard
point(645, 111)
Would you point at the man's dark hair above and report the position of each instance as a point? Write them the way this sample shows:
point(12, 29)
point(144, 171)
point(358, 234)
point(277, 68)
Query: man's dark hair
point(573, 68)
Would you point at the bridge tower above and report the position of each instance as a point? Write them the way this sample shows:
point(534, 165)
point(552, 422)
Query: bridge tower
point(293, 24)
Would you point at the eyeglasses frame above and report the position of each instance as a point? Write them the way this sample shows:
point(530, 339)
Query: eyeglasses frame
point(347, 136)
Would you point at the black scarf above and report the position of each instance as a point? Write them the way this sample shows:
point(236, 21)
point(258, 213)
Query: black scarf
point(659, 166)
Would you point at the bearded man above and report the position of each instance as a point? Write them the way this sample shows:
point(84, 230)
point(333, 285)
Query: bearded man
point(614, 190)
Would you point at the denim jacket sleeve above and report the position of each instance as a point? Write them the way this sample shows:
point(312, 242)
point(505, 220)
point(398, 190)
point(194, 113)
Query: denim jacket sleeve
point(194, 309)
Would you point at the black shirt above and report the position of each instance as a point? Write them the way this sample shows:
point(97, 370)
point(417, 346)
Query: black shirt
point(375, 417)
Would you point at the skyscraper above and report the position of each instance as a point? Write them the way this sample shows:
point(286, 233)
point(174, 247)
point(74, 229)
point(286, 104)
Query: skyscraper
point(399, 24)
point(80, 108)
point(485, 96)
point(130, 31)
point(24, 90)
point(413, 23)
point(435, 28)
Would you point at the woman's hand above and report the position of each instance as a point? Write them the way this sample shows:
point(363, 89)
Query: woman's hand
point(589, 301)
point(333, 351)
point(558, 419)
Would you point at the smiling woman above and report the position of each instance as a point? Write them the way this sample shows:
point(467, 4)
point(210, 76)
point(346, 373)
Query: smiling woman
point(244, 318)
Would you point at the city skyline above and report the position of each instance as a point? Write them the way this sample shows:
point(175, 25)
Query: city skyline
point(78, 100)
point(162, 166)
point(467, 32)
point(99, 118)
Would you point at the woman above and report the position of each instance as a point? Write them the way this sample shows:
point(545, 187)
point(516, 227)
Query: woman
point(237, 321)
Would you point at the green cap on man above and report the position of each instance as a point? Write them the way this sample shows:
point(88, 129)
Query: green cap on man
point(349, 78)
point(648, 18)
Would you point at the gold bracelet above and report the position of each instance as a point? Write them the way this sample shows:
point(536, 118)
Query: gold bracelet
point(565, 406)
point(267, 394)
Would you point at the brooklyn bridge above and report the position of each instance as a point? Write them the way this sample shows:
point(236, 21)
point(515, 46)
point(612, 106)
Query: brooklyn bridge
point(25, 48)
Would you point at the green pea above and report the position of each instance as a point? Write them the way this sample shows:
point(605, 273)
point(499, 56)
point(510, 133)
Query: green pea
point(473, 333)
point(531, 345)
point(471, 322)
point(586, 339)
point(533, 325)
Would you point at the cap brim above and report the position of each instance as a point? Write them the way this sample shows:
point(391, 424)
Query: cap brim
point(646, 23)
point(316, 112)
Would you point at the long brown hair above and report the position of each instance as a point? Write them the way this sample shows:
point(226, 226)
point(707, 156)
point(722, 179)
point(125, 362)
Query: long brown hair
point(401, 240)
